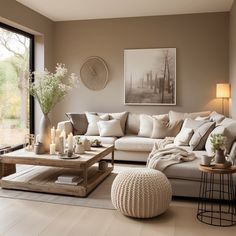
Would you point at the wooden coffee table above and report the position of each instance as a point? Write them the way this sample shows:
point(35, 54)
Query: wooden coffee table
point(45, 169)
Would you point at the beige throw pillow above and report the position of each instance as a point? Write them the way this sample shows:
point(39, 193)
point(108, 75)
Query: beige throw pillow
point(122, 116)
point(146, 126)
point(183, 137)
point(111, 128)
point(216, 117)
point(79, 123)
point(227, 128)
point(200, 136)
point(177, 116)
point(133, 123)
point(92, 129)
point(163, 129)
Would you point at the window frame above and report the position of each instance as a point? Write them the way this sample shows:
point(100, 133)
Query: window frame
point(31, 68)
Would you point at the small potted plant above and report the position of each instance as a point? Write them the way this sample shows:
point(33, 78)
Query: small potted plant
point(218, 142)
point(79, 148)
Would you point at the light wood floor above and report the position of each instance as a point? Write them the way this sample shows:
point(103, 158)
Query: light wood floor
point(20, 217)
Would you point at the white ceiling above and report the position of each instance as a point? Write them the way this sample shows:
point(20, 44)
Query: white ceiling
point(64, 10)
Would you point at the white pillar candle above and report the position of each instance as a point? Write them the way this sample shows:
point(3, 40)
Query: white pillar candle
point(61, 145)
point(70, 142)
point(63, 134)
point(53, 134)
point(52, 149)
point(58, 133)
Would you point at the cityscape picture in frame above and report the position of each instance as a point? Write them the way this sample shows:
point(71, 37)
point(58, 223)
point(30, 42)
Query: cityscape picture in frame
point(150, 76)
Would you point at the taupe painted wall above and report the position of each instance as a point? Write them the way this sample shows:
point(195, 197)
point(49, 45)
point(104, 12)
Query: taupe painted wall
point(232, 63)
point(202, 42)
point(19, 16)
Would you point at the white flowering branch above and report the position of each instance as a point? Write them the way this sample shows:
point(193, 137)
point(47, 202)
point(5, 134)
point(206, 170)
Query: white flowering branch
point(50, 88)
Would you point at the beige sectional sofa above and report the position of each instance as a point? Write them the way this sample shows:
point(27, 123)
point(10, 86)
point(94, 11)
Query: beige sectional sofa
point(184, 177)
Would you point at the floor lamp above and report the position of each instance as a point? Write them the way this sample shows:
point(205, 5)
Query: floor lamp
point(223, 92)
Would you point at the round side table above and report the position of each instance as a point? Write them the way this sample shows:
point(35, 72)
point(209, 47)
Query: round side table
point(217, 197)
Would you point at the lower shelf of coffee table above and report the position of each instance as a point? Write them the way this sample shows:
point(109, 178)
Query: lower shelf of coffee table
point(42, 179)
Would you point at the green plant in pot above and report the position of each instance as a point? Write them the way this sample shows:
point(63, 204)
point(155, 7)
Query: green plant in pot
point(49, 89)
point(218, 142)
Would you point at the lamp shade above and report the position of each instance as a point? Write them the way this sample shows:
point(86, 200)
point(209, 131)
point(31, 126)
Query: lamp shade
point(222, 90)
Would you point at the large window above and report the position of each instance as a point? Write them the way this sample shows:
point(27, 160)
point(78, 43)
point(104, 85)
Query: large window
point(16, 106)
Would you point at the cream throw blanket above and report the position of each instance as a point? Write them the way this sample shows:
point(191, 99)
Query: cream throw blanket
point(160, 157)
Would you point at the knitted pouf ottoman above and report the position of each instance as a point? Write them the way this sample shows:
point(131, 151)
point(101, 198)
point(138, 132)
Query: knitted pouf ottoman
point(141, 192)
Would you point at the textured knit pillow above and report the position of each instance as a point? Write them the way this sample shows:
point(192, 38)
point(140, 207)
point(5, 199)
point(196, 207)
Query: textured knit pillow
point(110, 128)
point(92, 129)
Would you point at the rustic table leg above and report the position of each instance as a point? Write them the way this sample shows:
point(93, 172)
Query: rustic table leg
point(85, 175)
point(7, 169)
point(112, 158)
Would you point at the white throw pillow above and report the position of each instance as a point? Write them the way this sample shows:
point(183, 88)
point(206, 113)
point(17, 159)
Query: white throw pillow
point(92, 129)
point(146, 126)
point(111, 128)
point(122, 116)
point(183, 137)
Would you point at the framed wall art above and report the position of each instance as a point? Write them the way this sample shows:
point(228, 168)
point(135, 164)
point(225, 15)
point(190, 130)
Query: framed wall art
point(150, 76)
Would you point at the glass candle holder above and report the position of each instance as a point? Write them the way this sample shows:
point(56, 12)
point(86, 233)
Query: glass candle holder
point(29, 142)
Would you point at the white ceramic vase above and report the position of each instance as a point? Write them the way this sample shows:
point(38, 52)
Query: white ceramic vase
point(45, 132)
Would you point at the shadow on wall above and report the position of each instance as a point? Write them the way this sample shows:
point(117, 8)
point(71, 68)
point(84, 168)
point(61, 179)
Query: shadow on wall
point(216, 104)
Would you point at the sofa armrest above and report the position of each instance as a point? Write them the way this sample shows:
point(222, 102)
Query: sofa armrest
point(232, 153)
point(65, 125)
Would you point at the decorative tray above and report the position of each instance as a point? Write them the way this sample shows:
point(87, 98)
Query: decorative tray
point(74, 156)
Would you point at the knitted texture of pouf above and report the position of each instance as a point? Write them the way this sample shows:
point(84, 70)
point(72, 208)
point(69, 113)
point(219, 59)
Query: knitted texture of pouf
point(141, 192)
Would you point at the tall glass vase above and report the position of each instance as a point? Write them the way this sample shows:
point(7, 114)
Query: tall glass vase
point(45, 132)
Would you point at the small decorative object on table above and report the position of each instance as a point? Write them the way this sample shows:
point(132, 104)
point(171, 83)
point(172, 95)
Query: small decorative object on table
point(96, 143)
point(79, 148)
point(218, 142)
point(29, 142)
point(102, 165)
point(39, 148)
point(206, 160)
point(87, 144)
point(49, 89)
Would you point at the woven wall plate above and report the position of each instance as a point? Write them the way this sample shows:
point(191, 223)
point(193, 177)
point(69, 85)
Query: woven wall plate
point(94, 73)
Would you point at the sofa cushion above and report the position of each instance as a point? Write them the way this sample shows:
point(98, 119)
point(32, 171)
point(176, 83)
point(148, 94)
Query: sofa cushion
point(186, 170)
point(135, 143)
point(163, 129)
point(79, 123)
point(92, 122)
point(216, 117)
point(177, 116)
point(146, 124)
point(133, 123)
point(110, 128)
point(183, 137)
point(122, 116)
point(227, 128)
point(200, 136)
point(103, 140)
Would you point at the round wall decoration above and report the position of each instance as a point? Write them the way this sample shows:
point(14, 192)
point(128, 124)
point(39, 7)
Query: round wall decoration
point(94, 73)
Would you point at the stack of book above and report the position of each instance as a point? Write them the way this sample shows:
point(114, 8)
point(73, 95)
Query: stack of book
point(69, 179)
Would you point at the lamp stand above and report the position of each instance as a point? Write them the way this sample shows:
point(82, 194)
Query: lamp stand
point(223, 106)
